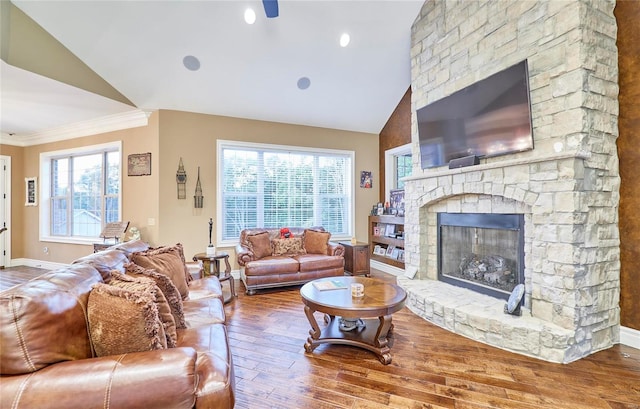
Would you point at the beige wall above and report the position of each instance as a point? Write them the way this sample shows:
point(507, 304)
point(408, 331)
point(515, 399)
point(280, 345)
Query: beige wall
point(172, 135)
point(136, 207)
point(193, 138)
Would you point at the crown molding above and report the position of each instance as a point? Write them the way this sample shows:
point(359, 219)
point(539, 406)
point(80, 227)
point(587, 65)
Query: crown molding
point(126, 120)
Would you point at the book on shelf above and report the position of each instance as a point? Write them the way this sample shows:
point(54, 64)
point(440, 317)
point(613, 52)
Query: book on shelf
point(329, 285)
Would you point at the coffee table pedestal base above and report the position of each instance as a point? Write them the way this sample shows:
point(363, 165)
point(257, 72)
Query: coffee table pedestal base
point(372, 337)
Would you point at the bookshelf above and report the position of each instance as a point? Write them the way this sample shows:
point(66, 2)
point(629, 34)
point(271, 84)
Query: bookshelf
point(386, 239)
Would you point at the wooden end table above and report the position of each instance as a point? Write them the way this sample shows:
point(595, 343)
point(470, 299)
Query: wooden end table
point(356, 258)
point(374, 309)
point(214, 270)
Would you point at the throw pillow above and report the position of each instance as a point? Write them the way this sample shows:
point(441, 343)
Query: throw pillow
point(167, 261)
point(164, 310)
point(123, 320)
point(260, 245)
point(291, 246)
point(167, 287)
point(316, 242)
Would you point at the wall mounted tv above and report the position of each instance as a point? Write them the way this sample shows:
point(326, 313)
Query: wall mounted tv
point(489, 118)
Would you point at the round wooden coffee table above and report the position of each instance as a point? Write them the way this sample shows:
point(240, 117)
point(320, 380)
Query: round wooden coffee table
point(369, 317)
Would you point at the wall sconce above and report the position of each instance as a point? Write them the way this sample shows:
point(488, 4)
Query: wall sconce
point(198, 198)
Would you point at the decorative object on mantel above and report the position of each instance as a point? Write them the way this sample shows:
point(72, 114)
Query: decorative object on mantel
point(181, 180)
point(198, 198)
point(31, 185)
point(514, 303)
point(211, 250)
point(139, 164)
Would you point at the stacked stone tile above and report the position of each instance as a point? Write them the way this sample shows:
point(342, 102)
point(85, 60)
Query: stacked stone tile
point(567, 187)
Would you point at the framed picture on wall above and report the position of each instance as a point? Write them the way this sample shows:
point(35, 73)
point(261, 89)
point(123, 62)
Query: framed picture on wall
point(31, 189)
point(139, 164)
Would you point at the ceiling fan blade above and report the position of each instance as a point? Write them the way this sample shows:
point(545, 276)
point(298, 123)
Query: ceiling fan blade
point(270, 8)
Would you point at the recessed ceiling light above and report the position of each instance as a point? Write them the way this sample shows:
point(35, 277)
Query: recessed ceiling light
point(304, 83)
point(249, 16)
point(344, 40)
point(191, 63)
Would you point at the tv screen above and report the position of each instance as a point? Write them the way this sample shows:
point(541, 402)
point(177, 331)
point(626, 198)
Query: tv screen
point(489, 118)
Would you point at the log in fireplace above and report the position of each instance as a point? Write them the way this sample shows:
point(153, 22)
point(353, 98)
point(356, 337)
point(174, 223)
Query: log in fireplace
point(483, 252)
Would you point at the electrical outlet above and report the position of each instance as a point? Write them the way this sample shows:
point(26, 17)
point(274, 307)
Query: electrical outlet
point(45, 250)
point(151, 221)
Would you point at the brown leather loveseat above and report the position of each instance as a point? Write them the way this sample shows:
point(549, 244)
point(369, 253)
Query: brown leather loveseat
point(268, 260)
point(48, 342)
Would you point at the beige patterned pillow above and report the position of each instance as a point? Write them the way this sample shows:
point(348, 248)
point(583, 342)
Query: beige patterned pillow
point(125, 319)
point(165, 285)
point(316, 242)
point(291, 246)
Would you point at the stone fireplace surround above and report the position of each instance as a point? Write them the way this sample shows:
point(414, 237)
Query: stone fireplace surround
point(567, 188)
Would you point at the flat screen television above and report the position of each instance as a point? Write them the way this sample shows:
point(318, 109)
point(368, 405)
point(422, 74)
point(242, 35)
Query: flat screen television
point(488, 118)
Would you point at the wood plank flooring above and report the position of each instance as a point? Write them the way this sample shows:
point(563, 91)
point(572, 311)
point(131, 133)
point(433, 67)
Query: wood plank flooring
point(431, 368)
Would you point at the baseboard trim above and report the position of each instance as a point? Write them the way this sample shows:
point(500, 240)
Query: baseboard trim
point(48, 265)
point(630, 337)
point(386, 268)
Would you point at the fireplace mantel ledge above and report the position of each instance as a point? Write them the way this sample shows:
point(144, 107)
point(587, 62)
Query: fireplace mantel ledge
point(500, 164)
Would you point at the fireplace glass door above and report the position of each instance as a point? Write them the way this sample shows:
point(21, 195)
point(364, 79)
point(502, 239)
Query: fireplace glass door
point(483, 252)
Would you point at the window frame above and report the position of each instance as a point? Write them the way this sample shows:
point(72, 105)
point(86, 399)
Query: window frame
point(45, 189)
point(390, 171)
point(226, 144)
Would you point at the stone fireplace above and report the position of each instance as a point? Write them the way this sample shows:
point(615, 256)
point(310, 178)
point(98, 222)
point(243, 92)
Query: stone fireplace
point(566, 190)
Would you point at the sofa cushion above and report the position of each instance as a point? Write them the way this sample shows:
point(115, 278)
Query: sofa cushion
point(32, 333)
point(272, 265)
point(165, 285)
point(166, 260)
point(260, 245)
point(205, 288)
point(317, 262)
point(290, 246)
point(123, 320)
point(316, 242)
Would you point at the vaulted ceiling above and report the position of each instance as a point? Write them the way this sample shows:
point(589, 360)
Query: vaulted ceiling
point(146, 51)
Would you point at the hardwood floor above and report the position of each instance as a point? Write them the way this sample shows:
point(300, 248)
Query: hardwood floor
point(431, 368)
point(15, 275)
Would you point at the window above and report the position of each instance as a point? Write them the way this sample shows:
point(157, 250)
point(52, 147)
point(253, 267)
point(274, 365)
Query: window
point(280, 186)
point(81, 192)
point(398, 164)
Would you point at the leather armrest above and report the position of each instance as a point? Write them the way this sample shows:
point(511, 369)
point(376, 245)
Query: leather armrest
point(244, 255)
point(335, 249)
point(153, 379)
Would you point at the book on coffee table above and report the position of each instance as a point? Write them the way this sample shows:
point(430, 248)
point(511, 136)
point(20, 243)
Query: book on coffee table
point(329, 285)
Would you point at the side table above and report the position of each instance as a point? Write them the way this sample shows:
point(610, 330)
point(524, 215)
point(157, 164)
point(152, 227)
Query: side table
point(356, 258)
point(214, 269)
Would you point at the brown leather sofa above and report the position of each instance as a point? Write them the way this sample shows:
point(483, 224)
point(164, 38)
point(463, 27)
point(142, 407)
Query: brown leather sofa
point(267, 269)
point(47, 358)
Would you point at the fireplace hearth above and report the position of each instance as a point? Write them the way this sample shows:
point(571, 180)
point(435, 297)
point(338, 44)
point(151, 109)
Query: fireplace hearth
point(480, 251)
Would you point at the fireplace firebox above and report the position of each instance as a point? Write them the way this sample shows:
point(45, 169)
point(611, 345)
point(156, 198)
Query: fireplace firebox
point(483, 252)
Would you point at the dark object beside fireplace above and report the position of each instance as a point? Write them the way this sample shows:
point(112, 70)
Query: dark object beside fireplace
point(481, 251)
